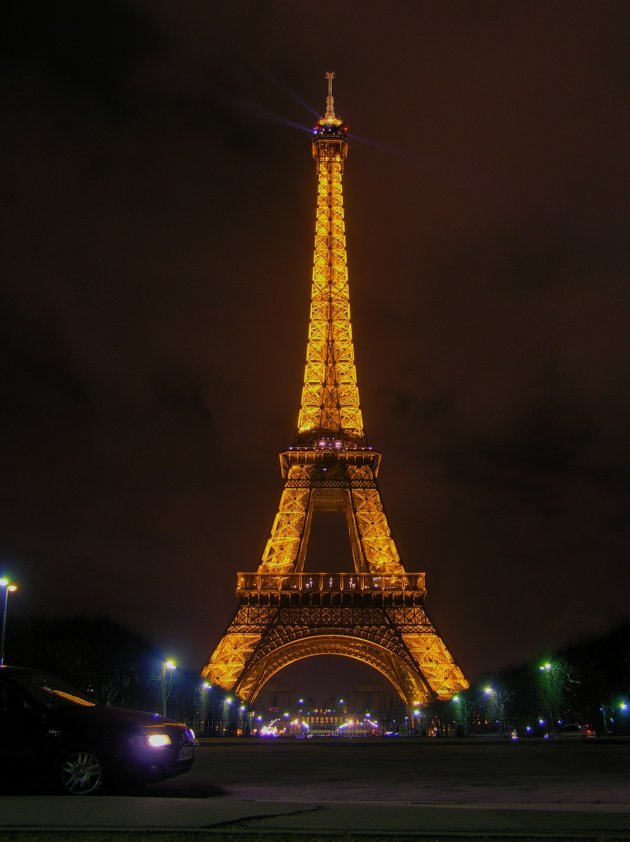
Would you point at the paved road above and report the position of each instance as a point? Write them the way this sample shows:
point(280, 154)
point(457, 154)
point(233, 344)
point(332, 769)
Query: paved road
point(406, 787)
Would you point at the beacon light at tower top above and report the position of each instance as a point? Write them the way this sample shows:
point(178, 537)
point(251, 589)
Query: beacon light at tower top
point(330, 126)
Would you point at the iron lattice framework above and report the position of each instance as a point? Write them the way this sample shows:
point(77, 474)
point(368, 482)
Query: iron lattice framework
point(375, 614)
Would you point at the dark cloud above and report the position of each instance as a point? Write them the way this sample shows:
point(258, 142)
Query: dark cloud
point(90, 49)
point(35, 371)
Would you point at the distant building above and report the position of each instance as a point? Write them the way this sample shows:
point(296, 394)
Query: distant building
point(365, 702)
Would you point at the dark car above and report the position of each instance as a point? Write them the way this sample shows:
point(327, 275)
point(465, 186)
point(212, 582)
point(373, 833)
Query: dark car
point(574, 731)
point(48, 728)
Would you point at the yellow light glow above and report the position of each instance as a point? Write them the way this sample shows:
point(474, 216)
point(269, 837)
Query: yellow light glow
point(158, 740)
point(78, 700)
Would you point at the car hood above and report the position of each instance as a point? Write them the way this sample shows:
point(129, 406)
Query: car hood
point(109, 714)
point(133, 717)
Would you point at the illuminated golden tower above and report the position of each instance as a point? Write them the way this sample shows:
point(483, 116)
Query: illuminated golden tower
point(376, 613)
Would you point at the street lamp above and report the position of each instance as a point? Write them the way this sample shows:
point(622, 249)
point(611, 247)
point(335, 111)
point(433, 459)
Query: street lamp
point(461, 714)
point(206, 687)
point(8, 586)
point(492, 706)
point(225, 715)
point(415, 720)
point(547, 688)
point(167, 682)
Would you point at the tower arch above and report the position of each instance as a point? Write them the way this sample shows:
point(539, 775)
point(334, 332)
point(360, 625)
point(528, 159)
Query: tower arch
point(409, 685)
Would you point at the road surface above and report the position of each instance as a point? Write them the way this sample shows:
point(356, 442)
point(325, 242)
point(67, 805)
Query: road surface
point(395, 789)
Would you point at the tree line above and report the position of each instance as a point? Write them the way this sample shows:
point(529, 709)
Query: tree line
point(587, 682)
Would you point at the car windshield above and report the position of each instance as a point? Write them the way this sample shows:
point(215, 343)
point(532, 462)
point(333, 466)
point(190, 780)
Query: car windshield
point(52, 692)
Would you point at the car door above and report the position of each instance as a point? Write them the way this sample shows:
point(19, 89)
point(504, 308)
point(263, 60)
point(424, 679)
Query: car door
point(23, 730)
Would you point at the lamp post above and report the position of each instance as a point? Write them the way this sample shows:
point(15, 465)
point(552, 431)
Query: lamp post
point(206, 687)
point(492, 707)
point(461, 715)
point(167, 682)
point(225, 716)
point(546, 675)
point(8, 586)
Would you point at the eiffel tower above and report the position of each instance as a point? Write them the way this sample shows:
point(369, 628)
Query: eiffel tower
point(376, 613)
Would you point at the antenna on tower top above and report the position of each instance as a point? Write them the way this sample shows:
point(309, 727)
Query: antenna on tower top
point(330, 100)
point(330, 127)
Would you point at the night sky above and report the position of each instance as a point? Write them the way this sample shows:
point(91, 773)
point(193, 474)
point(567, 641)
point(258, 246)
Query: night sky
point(157, 235)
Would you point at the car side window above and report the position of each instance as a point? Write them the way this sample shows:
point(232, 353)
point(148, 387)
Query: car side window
point(10, 702)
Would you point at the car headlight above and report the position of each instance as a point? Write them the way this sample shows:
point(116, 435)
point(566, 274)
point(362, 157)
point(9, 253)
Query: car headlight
point(150, 739)
point(158, 740)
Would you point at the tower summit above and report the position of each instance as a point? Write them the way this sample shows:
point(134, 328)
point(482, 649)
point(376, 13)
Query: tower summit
point(375, 612)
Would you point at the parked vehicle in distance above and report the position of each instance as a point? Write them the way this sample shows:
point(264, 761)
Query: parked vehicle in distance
point(571, 731)
point(51, 730)
point(491, 736)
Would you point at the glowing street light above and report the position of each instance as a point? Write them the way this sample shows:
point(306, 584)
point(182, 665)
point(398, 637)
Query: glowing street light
point(8, 587)
point(226, 715)
point(493, 706)
point(547, 679)
point(206, 687)
point(460, 714)
point(167, 682)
